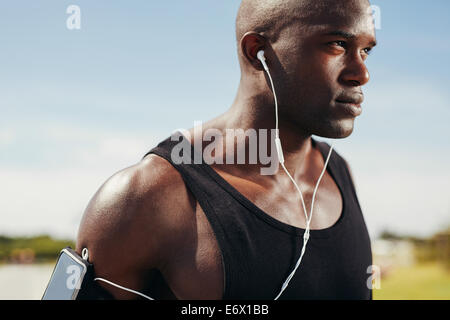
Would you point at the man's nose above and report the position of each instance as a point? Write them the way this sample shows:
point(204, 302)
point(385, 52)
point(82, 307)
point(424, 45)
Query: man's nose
point(356, 73)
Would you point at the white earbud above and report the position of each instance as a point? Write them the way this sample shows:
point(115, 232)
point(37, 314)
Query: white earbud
point(260, 56)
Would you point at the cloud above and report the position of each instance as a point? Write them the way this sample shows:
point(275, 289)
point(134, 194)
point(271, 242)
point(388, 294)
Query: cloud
point(7, 137)
point(51, 197)
point(404, 192)
point(49, 145)
point(37, 201)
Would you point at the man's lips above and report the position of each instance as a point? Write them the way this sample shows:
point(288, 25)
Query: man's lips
point(351, 100)
point(351, 105)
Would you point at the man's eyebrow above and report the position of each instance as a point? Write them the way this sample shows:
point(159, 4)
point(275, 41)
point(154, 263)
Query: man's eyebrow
point(340, 33)
point(346, 35)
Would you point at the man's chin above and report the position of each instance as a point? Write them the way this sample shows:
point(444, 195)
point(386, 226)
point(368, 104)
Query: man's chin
point(340, 129)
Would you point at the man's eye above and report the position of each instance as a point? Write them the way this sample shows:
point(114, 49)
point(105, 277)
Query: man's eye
point(368, 51)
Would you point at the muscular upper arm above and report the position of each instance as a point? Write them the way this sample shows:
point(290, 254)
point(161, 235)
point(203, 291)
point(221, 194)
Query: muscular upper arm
point(126, 227)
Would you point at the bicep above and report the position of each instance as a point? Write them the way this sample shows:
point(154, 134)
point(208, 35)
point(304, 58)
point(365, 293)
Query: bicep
point(118, 236)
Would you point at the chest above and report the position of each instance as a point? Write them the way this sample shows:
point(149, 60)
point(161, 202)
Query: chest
point(282, 201)
point(198, 272)
point(332, 268)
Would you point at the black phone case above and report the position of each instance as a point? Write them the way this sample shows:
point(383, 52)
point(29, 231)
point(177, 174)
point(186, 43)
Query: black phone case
point(89, 289)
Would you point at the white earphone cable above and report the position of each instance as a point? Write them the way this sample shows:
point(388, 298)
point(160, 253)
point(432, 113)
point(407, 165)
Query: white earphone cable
point(281, 159)
point(123, 288)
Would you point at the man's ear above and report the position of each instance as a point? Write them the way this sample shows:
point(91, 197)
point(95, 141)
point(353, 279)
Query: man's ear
point(251, 43)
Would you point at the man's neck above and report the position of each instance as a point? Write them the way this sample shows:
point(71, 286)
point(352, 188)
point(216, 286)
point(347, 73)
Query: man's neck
point(297, 147)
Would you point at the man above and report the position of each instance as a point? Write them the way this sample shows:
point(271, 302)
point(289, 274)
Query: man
point(221, 231)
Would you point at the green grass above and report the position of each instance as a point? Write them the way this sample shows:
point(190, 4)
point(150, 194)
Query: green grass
point(44, 247)
point(420, 282)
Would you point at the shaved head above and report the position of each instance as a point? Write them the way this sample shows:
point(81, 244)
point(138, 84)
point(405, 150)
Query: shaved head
point(269, 17)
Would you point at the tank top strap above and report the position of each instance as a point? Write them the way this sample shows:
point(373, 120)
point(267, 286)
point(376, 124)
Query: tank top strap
point(213, 200)
point(338, 169)
point(194, 173)
point(337, 165)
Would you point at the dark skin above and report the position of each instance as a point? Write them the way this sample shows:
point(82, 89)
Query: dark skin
point(145, 230)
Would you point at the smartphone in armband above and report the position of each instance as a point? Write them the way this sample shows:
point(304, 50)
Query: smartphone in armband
point(69, 276)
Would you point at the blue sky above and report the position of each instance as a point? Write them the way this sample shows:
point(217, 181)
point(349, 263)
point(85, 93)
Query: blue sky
point(79, 105)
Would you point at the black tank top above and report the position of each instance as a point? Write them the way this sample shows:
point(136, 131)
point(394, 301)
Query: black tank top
point(259, 251)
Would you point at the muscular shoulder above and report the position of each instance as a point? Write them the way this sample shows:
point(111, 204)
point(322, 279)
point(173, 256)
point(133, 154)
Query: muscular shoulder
point(134, 219)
